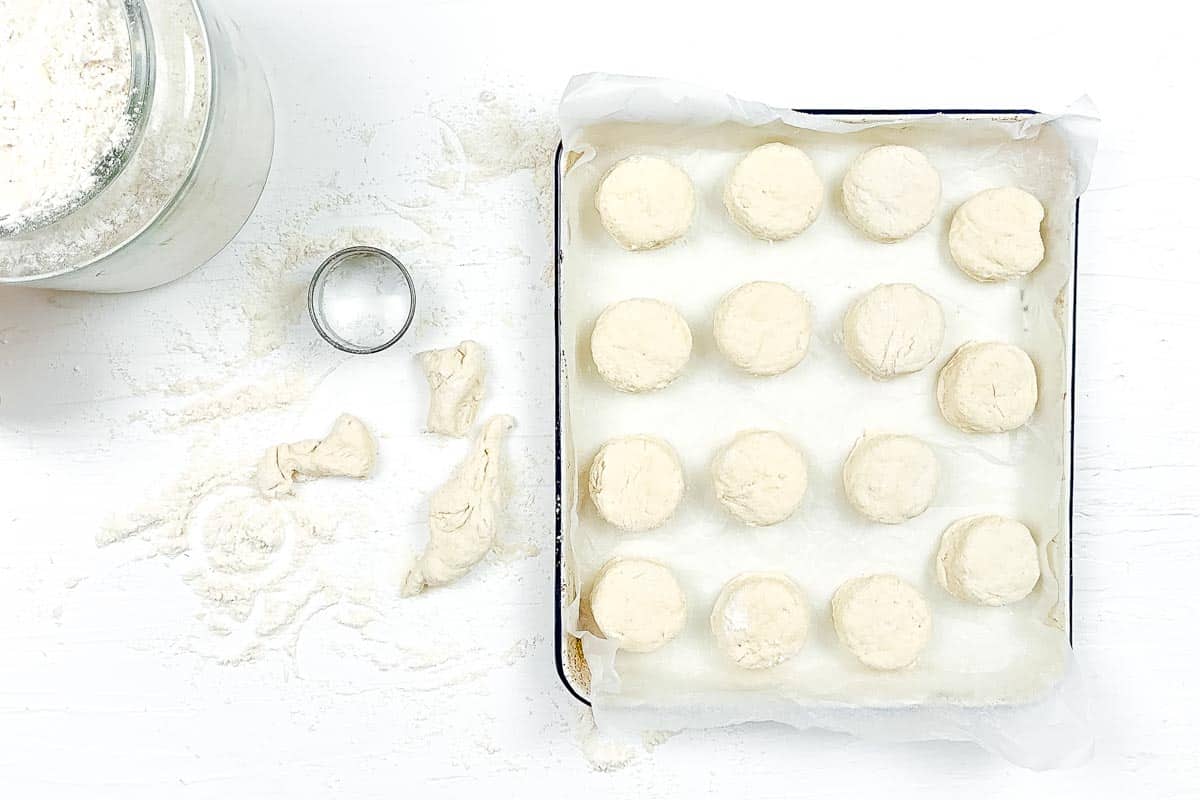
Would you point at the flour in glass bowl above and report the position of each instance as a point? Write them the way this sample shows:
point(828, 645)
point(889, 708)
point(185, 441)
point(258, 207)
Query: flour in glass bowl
point(175, 118)
point(66, 73)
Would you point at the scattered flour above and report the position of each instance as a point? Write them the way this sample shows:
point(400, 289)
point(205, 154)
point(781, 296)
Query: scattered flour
point(266, 570)
point(247, 552)
point(268, 573)
point(162, 522)
point(652, 740)
point(274, 291)
point(267, 394)
point(603, 753)
point(507, 552)
point(499, 137)
point(248, 559)
point(609, 753)
point(430, 656)
point(481, 143)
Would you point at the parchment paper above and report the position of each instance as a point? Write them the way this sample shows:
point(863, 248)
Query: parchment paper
point(1001, 676)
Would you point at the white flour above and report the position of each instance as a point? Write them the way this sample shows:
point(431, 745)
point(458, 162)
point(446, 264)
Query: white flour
point(65, 80)
point(157, 167)
point(604, 753)
point(609, 751)
point(248, 559)
point(498, 138)
point(274, 391)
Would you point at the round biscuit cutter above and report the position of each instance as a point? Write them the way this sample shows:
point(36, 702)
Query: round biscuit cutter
point(362, 300)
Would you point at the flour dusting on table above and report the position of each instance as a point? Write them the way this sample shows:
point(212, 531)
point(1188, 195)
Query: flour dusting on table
point(273, 577)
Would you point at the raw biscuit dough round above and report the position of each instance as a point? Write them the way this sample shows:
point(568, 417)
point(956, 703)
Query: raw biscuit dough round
point(988, 387)
point(646, 202)
point(997, 234)
point(638, 604)
point(774, 192)
point(760, 619)
point(891, 192)
point(636, 482)
point(894, 329)
point(641, 345)
point(890, 478)
point(884, 621)
point(989, 560)
point(763, 328)
point(760, 477)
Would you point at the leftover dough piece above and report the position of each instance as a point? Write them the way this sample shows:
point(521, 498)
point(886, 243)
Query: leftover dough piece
point(988, 387)
point(646, 202)
point(894, 329)
point(638, 604)
point(455, 378)
point(989, 560)
point(763, 328)
point(774, 192)
point(883, 620)
point(760, 477)
point(760, 619)
point(462, 514)
point(636, 482)
point(641, 345)
point(890, 478)
point(891, 192)
point(997, 234)
point(348, 451)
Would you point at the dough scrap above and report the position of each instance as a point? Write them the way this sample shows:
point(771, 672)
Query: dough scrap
point(891, 192)
point(989, 560)
point(641, 345)
point(895, 329)
point(348, 451)
point(988, 387)
point(889, 478)
point(997, 234)
point(638, 604)
point(462, 514)
point(774, 192)
point(760, 619)
point(763, 328)
point(884, 621)
point(636, 483)
point(456, 387)
point(646, 202)
point(760, 477)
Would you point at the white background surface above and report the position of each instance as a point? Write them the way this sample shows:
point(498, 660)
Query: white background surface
point(108, 682)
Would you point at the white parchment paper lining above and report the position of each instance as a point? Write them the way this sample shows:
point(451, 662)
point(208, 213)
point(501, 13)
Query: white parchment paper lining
point(1003, 677)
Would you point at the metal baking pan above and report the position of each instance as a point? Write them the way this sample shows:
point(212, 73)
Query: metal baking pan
point(571, 676)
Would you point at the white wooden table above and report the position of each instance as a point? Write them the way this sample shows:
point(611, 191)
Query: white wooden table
point(113, 682)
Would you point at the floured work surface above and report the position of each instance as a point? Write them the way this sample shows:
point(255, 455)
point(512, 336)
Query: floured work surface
point(978, 656)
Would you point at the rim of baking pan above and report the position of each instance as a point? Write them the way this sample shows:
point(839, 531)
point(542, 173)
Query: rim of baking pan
point(559, 662)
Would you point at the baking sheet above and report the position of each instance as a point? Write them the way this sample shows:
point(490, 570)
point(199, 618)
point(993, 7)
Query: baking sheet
point(978, 657)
